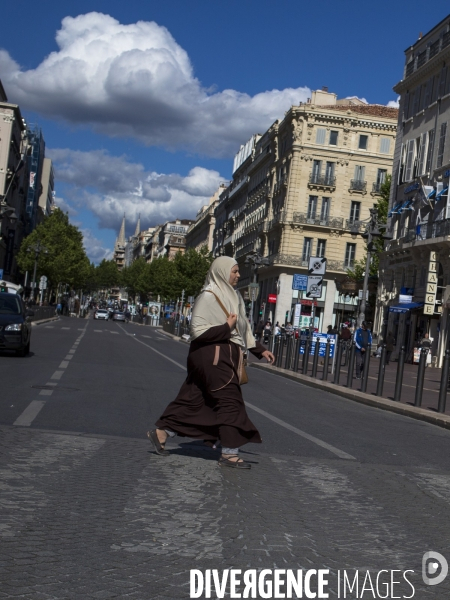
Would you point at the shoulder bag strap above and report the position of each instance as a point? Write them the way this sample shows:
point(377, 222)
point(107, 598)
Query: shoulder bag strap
point(220, 302)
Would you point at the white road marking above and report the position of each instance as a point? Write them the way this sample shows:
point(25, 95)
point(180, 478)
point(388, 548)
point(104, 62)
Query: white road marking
point(30, 413)
point(51, 383)
point(303, 434)
point(72, 351)
point(114, 332)
point(64, 364)
point(69, 357)
point(98, 331)
point(57, 375)
point(147, 336)
point(65, 327)
point(45, 392)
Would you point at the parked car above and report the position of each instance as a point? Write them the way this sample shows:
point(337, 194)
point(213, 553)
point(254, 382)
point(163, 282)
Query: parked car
point(118, 316)
point(15, 324)
point(101, 313)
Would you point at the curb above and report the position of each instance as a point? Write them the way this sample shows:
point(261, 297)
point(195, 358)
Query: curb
point(175, 337)
point(420, 414)
point(42, 321)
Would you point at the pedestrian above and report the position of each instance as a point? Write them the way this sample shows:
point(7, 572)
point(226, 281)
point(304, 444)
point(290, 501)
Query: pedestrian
point(209, 405)
point(345, 334)
point(390, 343)
point(259, 329)
point(363, 338)
point(426, 342)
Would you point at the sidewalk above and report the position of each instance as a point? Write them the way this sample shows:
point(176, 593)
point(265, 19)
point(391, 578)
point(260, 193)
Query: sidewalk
point(431, 386)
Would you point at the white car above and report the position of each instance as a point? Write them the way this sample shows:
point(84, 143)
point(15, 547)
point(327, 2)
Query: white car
point(101, 313)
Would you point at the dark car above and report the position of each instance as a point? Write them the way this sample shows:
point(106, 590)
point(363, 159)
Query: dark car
point(15, 324)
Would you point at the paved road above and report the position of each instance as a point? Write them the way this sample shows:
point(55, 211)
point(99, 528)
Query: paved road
point(87, 510)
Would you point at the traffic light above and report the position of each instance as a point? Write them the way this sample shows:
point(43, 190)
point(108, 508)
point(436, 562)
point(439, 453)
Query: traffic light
point(3, 287)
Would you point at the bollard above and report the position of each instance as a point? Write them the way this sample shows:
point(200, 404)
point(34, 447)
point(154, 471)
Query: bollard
point(298, 342)
point(337, 372)
point(399, 379)
point(305, 358)
point(381, 371)
point(351, 365)
point(280, 351)
point(326, 361)
point(316, 358)
point(420, 377)
point(271, 344)
point(444, 382)
point(276, 349)
point(287, 363)
point(365, 374)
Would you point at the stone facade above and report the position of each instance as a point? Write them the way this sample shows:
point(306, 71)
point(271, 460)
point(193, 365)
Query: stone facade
point(201, 232)
point(167, 240)
point(419, 217)
point(303, 190)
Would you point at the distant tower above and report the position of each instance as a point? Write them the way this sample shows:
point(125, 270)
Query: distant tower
point(119, 248)
point(138, 226)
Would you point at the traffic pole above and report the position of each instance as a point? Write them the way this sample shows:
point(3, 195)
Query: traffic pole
point(337, 372)
point(305, 360)
point(444, 382)
point(399, 379)
point(298, 342)
point(420, 377)
point(351, 365)
point(316, 358)
point(365, 375)
point(287, 363)
point(381, 371)
point(326, 361)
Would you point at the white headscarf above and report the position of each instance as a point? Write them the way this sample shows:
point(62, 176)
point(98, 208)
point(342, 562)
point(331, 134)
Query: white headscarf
point(207, 312)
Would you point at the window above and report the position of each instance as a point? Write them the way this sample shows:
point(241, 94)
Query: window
point(333, 138)
point(416, 100)
point(312, 207)
point(317, 167)
point(428, 90)
point(430, 150)
point(363, 139)
point(410, 159)
point(321, 248)
point(320, 135)
point(329, 173)
point(442, 81)
point(355, 211)
point(381, 176)
point(440, 155)
point(307, 243)
point(422, 154)
point(385, 145)
point(360, 172)
point(350, 252)
point(325, 210)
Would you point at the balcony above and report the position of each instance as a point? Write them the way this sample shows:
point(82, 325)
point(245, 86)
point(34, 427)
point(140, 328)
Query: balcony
point(335, 222)
point(282, 183)
point(355, 226)
point(277, 219)
point(434, 49)
point(376, 187)
point(297, 261)
point(327, 181)
point(409, 69)
point(427, 231)
point(356, 185)
point(421, 59)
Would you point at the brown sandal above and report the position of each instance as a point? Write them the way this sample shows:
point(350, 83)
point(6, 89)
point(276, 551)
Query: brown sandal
point(159, 448)
point(234, 464)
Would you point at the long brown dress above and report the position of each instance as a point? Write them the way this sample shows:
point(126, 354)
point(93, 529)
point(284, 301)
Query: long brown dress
point(209, 405)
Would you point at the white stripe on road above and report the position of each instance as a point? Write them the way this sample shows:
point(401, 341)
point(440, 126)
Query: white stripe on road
point(114, 332)
point(30, 413)
point(301, 433)
point(72, 351)
point(69, 357)
point(64, 364)
point(57, 375)
point(147, 336)
point(98, 331)
point(45, 392)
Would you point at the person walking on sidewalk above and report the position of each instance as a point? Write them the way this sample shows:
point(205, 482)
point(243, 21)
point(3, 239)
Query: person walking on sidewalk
point(209, 405)
point(363, 338)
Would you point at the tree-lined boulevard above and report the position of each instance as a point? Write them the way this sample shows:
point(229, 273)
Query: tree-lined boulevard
point(89, 511)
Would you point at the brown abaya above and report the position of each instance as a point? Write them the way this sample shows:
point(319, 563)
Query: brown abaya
point(209, 405)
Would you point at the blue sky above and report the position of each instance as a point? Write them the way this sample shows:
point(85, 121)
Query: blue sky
point(143, 104)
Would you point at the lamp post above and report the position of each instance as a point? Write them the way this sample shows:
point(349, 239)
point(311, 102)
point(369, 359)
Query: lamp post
point(255, 260)
point(37, 249)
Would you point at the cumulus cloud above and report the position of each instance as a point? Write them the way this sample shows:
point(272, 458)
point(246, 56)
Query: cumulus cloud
point(136, 81)
point(94, 247)
point(394, 103)
point(110, 186)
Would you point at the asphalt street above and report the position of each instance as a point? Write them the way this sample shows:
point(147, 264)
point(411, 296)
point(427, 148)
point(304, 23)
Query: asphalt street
point(88, 510)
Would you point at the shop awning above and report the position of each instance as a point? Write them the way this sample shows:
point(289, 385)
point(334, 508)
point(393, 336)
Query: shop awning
point(403, 308)
point(439, 196)
point(431, 195)
point(394, 211)
point(406, 205)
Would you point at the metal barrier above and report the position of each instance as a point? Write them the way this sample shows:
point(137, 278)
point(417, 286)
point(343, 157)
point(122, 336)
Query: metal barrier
point(351, 366)
point(399, 379)
point(381, 371)
point(315, 359)
point(298, 342)
point(326, 361)
point(365, 373)
point(306, 358)
point(287, 363)
point(420, 377)
point(43, 312)
point(337, 372)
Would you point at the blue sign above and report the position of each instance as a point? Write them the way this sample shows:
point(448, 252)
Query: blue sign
point(300, 282)
point(1, 273)
point(322, 338)
point(411, 188)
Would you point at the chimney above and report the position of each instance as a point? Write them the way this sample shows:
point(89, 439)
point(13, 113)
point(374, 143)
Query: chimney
point(324, 88)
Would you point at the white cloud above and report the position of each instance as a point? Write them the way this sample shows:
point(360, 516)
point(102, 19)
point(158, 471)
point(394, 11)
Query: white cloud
point(394, 103)
point(135, 80)
point(110, 186)
point(94, 247)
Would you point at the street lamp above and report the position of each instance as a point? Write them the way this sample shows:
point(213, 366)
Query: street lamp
point(255, 261)
point(371, 233)
point(37, 249)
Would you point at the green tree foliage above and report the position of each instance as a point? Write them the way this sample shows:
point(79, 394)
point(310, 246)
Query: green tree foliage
point(65, 260)
point(192, 268)
point(359, 269)
point(107, 275)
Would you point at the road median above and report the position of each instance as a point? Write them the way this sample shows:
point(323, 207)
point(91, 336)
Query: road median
point(421, 414)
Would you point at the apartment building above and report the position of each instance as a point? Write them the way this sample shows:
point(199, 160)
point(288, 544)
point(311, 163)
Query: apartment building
point(304, 188)
point(46, 197)
point(201, 232)
point(415, 269)
point(167, 240)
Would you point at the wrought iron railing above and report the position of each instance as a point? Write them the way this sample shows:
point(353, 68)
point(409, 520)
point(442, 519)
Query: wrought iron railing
point(298, 261)
point(275, 220)
point(421, 59)
point(434, 49)
point(376, 187)
point(355, 226)
point(358, 185)
point(324, 222)
point(409, 68)
point(325, 180)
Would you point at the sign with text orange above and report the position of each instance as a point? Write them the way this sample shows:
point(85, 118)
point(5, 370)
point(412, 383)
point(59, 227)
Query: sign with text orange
point(431, 287)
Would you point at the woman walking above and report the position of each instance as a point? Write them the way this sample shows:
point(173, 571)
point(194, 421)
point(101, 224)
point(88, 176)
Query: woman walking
point(209, 405)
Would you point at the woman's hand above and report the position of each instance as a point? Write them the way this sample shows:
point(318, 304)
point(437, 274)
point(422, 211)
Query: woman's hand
point(268, 356)
point(232, 321)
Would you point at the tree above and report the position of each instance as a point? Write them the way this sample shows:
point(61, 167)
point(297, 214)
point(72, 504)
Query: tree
point(135, 279)
point(359, 268)
point(65, 260)
point(107, 275)
point(192, 267)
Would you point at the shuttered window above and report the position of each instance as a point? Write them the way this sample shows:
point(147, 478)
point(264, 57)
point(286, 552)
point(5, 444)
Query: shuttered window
point(422, 154)
point(429, 150)
point(440, 156)
point(320, 135)
point(385, 145)
point(410, 160)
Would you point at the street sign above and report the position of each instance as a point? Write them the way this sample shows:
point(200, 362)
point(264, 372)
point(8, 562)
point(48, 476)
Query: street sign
point(314, 288)
point(300, 282)
point(253, 291)
point(317, 265)
point(272, 299)
point(322, 338)
point(43, 284)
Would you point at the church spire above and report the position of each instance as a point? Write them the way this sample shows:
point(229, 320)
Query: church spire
point(138, 226)
point(121, 238)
